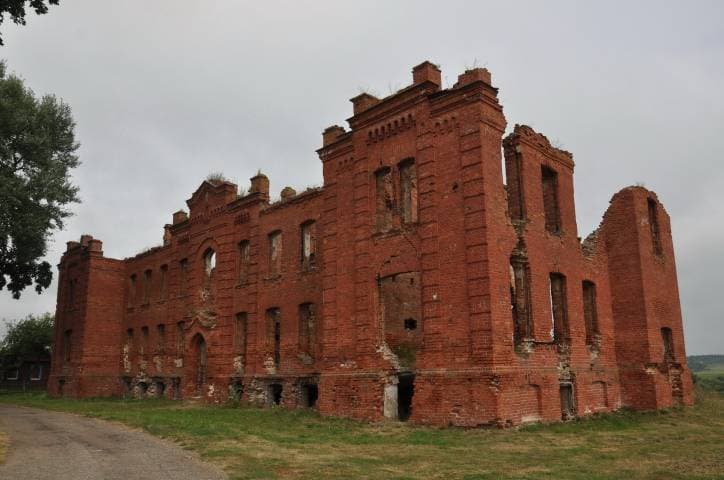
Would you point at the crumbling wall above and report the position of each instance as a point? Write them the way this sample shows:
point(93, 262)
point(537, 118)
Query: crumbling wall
point(412, 285)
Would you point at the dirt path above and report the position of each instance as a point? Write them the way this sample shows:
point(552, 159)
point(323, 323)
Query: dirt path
point(59, 446)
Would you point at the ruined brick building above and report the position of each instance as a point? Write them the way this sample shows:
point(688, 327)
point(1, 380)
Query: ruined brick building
point(413, 284)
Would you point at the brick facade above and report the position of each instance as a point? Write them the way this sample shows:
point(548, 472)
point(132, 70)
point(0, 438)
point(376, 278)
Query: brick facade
point(413, 284)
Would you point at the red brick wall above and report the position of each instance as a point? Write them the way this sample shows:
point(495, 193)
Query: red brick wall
point(442, 149)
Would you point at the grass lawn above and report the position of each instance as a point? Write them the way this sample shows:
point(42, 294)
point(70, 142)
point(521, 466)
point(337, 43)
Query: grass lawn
point(712, 378)
point(255, 443)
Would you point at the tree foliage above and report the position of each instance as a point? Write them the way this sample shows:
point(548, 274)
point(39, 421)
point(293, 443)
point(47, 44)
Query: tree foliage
point(27, 339)
point(37, 152)
point(16, 10)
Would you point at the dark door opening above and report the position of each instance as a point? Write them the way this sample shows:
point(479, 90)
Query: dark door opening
point(405, 392)
point(201, 360)
point(176, 386)
point(310, 394)
point(275, 393)
point(160, 388)
point(127, 389)
point(237, 390)
point(568, 409)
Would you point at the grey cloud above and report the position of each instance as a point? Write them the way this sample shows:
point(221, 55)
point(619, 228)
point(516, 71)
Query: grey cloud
point(165, 92)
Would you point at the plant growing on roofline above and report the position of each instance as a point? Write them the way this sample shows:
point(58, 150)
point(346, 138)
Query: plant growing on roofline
point(37, 153)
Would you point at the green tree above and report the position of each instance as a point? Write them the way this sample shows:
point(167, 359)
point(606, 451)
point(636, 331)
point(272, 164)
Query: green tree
point(37, 152)
point(26, 339)
point(16, 10)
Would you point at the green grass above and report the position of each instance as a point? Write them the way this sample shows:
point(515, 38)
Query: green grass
point(252, 443)
point(711, 380)
point(709, 371)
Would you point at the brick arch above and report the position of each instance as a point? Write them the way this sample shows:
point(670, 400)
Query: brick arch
point(399, 261)
point(208, 242)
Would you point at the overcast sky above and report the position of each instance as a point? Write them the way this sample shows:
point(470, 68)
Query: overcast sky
point(165, 92)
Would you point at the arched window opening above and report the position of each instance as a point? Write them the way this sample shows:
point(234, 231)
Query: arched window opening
point(209, 262)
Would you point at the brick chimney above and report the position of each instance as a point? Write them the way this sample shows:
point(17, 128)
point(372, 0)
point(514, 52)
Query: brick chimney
point(426, 72)
point(180, 216)
point(331, 134)
point(362, 102)
point(259, 184)
point(85, 240)
point(95, 246)
point(474, 75)
point(287, 193)
point(167, 234)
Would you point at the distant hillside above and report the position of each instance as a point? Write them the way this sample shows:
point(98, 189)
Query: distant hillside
point(700, 363)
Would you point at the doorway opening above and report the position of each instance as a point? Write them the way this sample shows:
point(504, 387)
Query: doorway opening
point(405, 392)
point(310, 394)
point(275, 394)
point(201, 359)
point(568, 407)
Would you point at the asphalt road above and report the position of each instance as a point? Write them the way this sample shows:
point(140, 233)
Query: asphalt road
point(59, 446)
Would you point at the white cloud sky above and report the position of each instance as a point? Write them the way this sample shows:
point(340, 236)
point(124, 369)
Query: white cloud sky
point(165, 92)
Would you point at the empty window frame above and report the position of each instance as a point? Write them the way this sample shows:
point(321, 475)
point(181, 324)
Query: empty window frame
point(520, 300)
point(307, 328)
point(385, 199)
point(654, 226)
point(408, 191)
point(129, 340)
point(308, 244)
point(590, 310)
point(559, 307)
point(274, 333)
point(36, 372)
point(516, 198)
point(244, 262)
point(163, 283)
point(240, 333)
point(183, 277)
point(132, 290)
point(668, 341)
point(12, 374)
point(147, 276)
point(144, 340)
point(161, 338)
point(71, 293)
point(275, 253)
point(551, 208)
point(67, 345)
point(209, 263)
point(410, 324)
point(180, 338)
